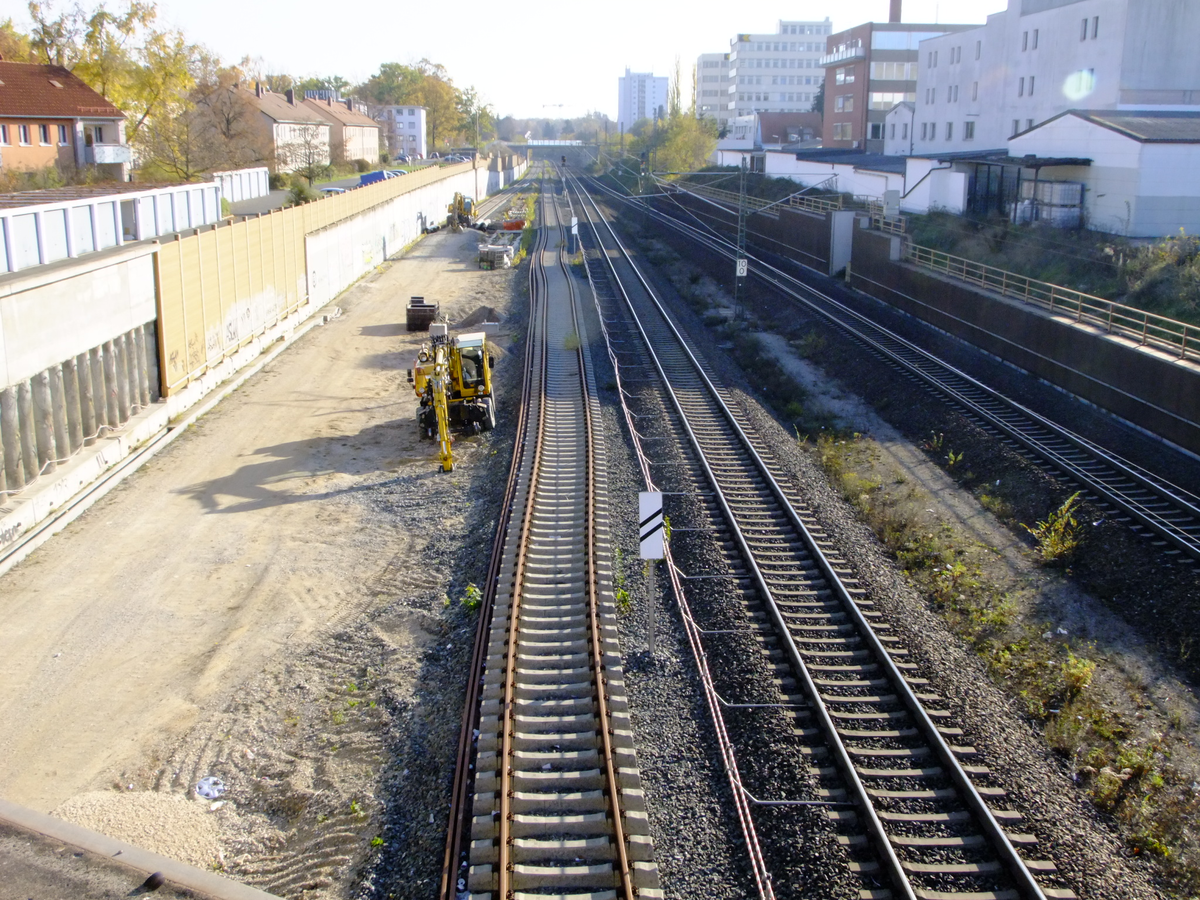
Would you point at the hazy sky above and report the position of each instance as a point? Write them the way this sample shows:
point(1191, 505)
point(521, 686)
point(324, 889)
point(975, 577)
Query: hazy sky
point(525, 59)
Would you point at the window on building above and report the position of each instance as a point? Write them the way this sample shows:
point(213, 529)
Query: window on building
point(1095, 27)
point(876, 131)
point(892, 132)
point(843, 131)
point(23, 133)
point(1016, 129)
point(974, 90)
point(978, 48)
point(1024, 41)
point(4, 135)
point(1083, 31)
point(1031, 80)
point(1035, 38)
point(1021, 86)
point(62, 135)
point(1028, 124)
point(949, 131)
point(904, 131)
point(935, 56)
point(968, 131)
point(44, 135)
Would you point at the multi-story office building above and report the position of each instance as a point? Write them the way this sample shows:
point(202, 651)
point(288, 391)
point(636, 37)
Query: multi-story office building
point(777, 72)
point(1039, 58)
point(641, 96)
point(868, 70)
point(712, 86)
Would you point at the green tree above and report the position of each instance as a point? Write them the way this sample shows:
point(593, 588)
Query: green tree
point(14, 45)
point(818, 104)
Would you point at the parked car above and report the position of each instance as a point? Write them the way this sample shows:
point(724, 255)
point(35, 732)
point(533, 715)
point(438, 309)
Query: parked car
point(372, 177)
point(403, 158)
point(332, 190)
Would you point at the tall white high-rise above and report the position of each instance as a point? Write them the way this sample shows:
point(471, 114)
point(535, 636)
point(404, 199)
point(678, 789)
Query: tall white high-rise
point(641, 96)
point(712, 86)
point(776, 72)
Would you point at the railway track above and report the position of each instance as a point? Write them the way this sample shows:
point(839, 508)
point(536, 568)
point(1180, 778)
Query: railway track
point(547, 797)
point(1148, 502)
point(915, 813)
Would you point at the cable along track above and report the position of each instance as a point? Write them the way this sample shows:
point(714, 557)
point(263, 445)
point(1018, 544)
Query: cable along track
point(1149, 501)
point(557, 808)
point(908, 809)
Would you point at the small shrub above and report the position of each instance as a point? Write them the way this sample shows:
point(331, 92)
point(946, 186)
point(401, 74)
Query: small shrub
point(226, 208)
point(277, 181)
point(1058, 535)
point(472, 597)
point(301, 193)
point(1077, 673)
point(361, 165)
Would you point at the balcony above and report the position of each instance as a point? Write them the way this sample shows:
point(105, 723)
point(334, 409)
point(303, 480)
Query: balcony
point(844, 53)
point(107, 154)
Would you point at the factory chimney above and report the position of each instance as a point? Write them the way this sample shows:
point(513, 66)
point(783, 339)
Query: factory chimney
point(895, 13)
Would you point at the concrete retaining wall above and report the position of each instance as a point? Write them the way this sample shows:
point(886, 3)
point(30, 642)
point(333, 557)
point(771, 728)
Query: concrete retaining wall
point(1147, 388)
point(807, 237)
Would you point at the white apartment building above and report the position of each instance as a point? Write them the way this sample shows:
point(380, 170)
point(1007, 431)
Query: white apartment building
point(403, 129)
point(712, 86)
point(641, 95)
point(776, 72)
point(1039, 58)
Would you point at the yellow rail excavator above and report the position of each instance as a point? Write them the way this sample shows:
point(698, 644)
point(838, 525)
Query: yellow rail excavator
point(453, 379)
point(462, 213)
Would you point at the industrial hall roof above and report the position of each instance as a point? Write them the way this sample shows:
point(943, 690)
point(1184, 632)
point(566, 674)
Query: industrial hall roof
point(33, 90)
point(1147, 126)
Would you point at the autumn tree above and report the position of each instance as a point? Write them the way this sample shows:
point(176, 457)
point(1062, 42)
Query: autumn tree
point(14, 46)
point(143, 70)
point(219, 129)
point(426, 84)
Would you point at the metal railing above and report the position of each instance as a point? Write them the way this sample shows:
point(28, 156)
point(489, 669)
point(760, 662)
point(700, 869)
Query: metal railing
point(896, 224)
point(1145, 328)
point(808, 204)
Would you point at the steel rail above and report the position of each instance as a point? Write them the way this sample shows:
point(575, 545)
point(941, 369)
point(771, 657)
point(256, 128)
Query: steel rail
point(989, 825)
point(762, 876)
point(598, 667)
point(554, 763)
point(454, 857)
point(504, 868)
point(1180, 526)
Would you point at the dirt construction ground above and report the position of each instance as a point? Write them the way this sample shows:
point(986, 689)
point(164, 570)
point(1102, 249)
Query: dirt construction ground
point(259, 603)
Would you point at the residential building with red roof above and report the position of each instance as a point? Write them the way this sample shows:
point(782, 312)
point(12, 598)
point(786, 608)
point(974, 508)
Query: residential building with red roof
point(353, 134)
point(48, 116)
point(299, 137)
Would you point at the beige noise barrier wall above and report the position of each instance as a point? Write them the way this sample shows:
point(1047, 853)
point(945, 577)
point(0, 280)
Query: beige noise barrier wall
point(221, 287)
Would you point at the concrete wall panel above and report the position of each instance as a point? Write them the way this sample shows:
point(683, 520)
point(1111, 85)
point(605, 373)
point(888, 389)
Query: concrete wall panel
point(1148, 389)
point(97, 303)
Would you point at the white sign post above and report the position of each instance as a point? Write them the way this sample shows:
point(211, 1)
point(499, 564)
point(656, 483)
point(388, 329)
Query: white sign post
point(650, 534)
point(743, 266)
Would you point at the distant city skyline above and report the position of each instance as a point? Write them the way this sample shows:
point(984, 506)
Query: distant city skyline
point(556, 65)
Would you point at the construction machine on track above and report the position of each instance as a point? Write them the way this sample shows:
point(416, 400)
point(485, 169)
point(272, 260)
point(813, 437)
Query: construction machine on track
point(452, 376)
point(462, 213)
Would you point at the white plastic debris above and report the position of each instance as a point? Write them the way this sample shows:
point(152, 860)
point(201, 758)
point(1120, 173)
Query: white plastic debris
point(210, 787)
